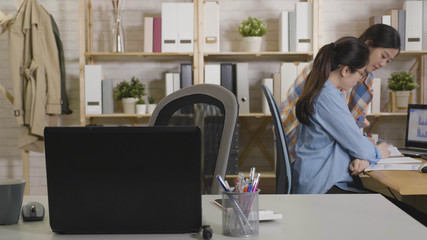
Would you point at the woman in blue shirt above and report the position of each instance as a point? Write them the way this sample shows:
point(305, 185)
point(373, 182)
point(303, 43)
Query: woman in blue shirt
point(330, 145)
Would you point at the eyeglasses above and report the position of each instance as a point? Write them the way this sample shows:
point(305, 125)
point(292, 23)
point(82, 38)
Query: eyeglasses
point(363, 74)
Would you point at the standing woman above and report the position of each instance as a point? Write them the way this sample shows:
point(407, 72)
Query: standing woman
point(384, 44)
point(328, 139)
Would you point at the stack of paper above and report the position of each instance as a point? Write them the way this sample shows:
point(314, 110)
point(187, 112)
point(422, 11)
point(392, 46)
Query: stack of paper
point(395, 163)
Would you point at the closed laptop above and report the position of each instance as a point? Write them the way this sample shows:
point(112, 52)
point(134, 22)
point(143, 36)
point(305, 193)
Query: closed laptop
point(124, 179)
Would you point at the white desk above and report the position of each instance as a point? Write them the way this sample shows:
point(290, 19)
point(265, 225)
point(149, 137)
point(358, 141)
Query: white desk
point(358, 216)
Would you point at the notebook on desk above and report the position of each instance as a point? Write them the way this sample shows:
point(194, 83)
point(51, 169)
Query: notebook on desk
point(416, 131)
point(124, 179)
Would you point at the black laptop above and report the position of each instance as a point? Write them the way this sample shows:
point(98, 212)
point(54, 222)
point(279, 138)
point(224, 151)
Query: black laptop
point(124, 179)
point(416, 131)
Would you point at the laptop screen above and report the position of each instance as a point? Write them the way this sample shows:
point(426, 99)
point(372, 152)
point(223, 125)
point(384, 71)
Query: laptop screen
point(416, 127)
point(124, 179)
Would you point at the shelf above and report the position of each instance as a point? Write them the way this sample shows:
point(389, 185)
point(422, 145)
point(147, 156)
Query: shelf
point(117, 115)
point(387, 114)
point(134, 56)
point(413, 53)
point(259, 56)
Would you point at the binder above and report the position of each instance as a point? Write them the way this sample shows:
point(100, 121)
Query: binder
point(169, 27)
point(228, 76)
point(213, 73)
point(374, 20)
point(304, 29)
point(242, 91)
point(93, 89)
point(157, 34)
point(268, 82)
point(402, 30)
point(394, 18)
point(413, 25)
point(376, 99)
point(292, 32)
point(211, 28)
point(288, 74)
point(177, 81)
point(169, 83)
point(284, 32)
point(185, 27)
point(107, 96)
point(186, 78)
point(386, 19)
point(277, 88)
point(148, 34)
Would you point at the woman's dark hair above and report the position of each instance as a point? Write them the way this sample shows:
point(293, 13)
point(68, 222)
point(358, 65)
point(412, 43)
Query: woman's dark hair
point(346, 51)
point(381, 35)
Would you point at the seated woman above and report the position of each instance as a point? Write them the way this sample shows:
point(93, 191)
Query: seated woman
point(329, 143)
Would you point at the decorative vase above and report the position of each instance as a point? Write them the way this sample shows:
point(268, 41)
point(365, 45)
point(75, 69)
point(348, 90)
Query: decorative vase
point(141, 108)
point(402, 98)
point(151, 108)
point(251, 44)
point(129, 105)
point(118, 32)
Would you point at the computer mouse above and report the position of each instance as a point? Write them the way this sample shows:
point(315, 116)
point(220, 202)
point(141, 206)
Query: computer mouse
point(32, 211)
point(423, 168)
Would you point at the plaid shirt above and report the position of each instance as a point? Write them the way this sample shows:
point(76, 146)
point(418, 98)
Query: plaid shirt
point(359, 98)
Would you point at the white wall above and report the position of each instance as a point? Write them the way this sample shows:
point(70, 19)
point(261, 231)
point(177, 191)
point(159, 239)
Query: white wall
point(340, 18)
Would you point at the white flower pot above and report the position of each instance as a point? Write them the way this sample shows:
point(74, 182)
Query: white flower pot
point(251, 44)
point(129, 105)
point(402, 99)
point(151, 108)
point(141, 109)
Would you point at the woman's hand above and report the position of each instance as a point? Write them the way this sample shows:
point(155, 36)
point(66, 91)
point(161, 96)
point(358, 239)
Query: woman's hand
point(383, 147)
point(357, 166)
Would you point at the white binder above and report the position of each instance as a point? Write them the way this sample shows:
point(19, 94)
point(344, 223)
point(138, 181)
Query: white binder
point(304, 29)
point(185, 27)
point(213, 73)
point(284, 32)
point(413, 25)
point(211, 28)
point(268, 82)
point(242, 87)
point(288, 74)
point(148, 34)
point(169, 27)
point(376, 99)
point(176, 82)
point(424, 39)
point(93, 89)
point(169, 83)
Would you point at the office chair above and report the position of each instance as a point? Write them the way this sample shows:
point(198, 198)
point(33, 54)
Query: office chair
point(215, 110)
point(283, 164)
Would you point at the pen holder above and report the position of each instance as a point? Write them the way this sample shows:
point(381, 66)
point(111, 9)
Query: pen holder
point(240, 214)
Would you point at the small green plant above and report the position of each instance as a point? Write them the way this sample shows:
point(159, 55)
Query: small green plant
point(402, 81)
point(252, 27)
point(150, 100)
point(132, 89)
point(140, 101)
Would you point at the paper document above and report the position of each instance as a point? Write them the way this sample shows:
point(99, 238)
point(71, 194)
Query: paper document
point(394, 152)
point(411, 167)
point(398, 160)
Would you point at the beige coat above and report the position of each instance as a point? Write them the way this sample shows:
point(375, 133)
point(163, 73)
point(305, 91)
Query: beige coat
point(35, 72)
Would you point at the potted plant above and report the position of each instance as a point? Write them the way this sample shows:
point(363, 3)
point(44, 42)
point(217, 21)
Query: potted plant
point(129, 93)
point(141, 107)
point(401, 84)
point(151, 105)
point(252, 30)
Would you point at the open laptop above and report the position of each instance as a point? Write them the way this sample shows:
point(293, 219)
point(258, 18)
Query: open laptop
point(416, 131)
point(124, 179)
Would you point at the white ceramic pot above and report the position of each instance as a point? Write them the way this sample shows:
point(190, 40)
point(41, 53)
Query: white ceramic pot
point(129, 105)
point(251, 44)
point(141, 109)
point(402, 98)
point(151, 108)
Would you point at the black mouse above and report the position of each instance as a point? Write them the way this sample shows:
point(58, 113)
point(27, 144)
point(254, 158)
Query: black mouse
point(423, 168)
point(32, 211)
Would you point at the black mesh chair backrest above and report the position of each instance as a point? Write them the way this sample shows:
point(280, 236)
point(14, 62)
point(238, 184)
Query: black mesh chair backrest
point(283, 163)
point(214, 109)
